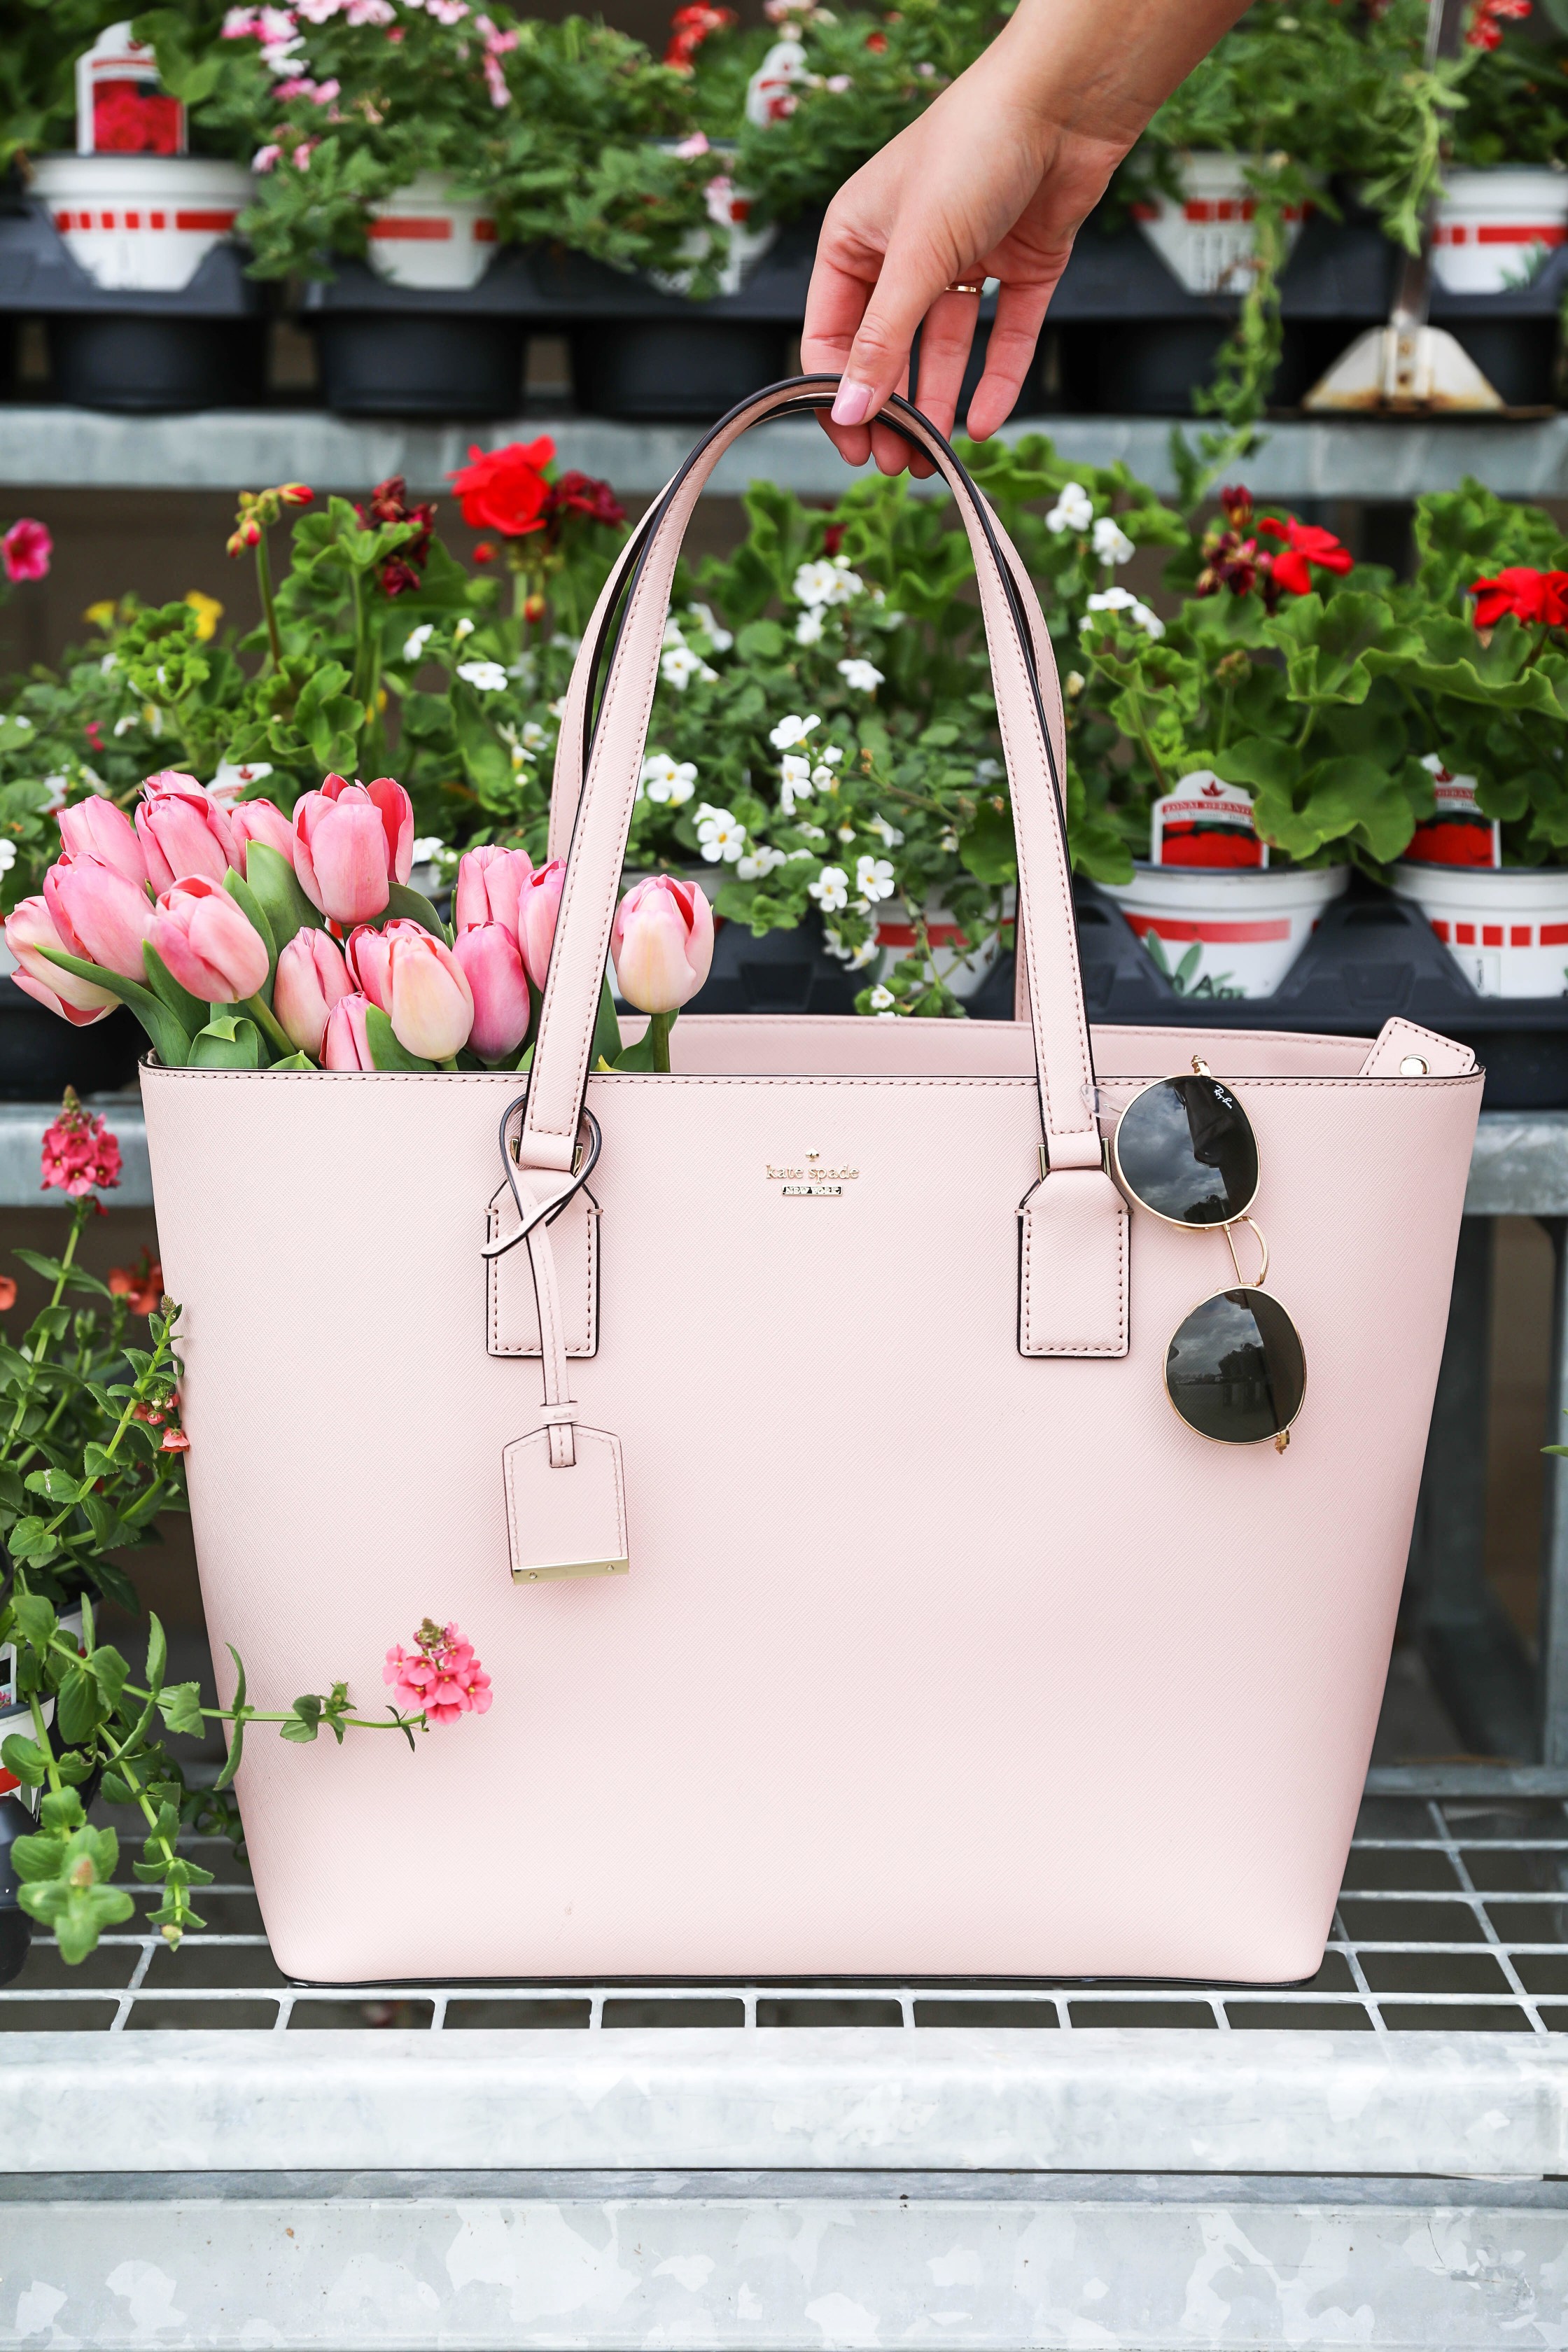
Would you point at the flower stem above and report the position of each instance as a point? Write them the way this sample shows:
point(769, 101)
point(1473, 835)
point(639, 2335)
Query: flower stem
point(658, 1038)
point(269, 609)
point(271, 1028)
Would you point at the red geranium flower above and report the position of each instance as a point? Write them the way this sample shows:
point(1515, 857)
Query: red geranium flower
point(876, 41)
point(1305, 543)
point(505, 489)
point(128, 120)
point(689, 27)
point(580, 494)
point(1538, 598)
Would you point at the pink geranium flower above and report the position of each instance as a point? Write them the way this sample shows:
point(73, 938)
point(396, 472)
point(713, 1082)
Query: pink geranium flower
point(439, 1678)
point(27, 548)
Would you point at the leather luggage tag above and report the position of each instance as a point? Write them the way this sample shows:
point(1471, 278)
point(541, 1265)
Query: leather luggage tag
point(565, 1521)
point(1072, 1266)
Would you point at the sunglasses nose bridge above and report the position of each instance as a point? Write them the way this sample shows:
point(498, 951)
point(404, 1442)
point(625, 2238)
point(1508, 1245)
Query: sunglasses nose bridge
point(1229, 1229)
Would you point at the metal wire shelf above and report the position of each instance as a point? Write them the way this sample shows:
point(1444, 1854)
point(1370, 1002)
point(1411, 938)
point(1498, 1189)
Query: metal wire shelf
point(1453, 1918)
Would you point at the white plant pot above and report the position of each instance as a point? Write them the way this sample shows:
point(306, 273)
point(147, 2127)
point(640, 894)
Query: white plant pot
point(141, 224)
point(1496, 229)
point(960, 966)
point(747, 245)
point(1506, 928)
point(1205, 238)
point(425, 239)
point(1219, 931)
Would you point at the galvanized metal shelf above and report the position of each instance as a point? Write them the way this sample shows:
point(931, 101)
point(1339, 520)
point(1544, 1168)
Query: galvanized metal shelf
point(233, 449)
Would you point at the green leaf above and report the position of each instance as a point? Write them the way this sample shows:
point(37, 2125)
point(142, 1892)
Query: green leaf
point(237, 1742)
point(73, 1278)
point(385, 1050)
point(56, 1485)
point(406, 906)
point(81, 1706)
point(987, 847)
point(295, 1062)
point(25, 1758)
point(180, 1705)
point(304, 1722)
point(250, 906)
point(32, 1538)
point(229, 1042)
point(607, 1045)
point(188, 1011)
point(35, 1619)
point(639, 1057)
point(275, 887)
point(1326, 645)
point(169, 1036)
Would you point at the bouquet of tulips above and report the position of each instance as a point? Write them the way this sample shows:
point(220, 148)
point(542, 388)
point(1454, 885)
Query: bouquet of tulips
point(245, 938)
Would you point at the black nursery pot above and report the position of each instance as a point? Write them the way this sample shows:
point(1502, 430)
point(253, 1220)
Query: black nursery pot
point(1150, 367)
point(419, 363)
point(41, 1054)
point(143, 363)
point(1517, 356)
point(647, 368)
point(783, 972)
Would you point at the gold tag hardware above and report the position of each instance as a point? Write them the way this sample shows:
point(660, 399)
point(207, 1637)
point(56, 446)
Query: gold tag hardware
point(571, 1568)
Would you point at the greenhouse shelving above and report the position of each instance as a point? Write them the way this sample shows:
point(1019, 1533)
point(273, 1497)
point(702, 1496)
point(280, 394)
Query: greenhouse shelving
point(232, 449)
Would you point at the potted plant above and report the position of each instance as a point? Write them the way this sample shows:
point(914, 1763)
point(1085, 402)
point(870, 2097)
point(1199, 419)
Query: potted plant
point(1484, 674)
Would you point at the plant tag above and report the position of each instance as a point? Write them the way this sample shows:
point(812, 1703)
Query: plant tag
point(570, 1521)
point(1456, 834)
point(1206, 821)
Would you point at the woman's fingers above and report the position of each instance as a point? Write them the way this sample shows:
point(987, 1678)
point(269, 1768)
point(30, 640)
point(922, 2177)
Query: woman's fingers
point(833, 308)
point(1014, 333)
point(947, 336)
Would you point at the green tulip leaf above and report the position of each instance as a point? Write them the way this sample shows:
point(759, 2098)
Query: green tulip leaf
point(171, 1041)
point(275, 887)
point(250, 906)
point(385, 1049)
point(188, 1011)
point(606, 1044)
point(406, 906)
point(229, 1042)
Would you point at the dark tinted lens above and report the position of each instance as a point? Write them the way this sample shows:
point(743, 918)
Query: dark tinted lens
point(1235, 1369)
point(1185, 1150)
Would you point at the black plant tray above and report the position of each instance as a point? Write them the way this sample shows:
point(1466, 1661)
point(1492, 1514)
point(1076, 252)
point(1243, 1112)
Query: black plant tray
point(1371, 955)
point(40, 278)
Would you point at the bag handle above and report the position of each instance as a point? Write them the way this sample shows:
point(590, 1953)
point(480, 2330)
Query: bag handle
point(1024, 673)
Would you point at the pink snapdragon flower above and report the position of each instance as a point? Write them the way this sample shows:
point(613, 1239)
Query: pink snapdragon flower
point(81, 1154)
point(439, 1678)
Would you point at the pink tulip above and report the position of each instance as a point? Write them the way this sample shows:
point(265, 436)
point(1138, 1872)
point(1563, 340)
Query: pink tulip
point(96, 828)
point(369, 953)
point(662, 943)
point(492, 967)
point(260, 821)
point(182, 832)
point(351, 842)
point(346, 1046)
point(312, 978)
point(28, 928)
point(490, 883)
point(430, 1004)
point(538, 908)
point(99, 914)
point(208, 942)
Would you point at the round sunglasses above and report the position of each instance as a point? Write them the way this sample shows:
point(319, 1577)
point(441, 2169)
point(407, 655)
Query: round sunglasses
point(1184, 1150)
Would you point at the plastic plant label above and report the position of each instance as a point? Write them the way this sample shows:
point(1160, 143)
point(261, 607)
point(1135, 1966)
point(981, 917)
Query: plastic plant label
point(1457, 833)
point(1206, 821)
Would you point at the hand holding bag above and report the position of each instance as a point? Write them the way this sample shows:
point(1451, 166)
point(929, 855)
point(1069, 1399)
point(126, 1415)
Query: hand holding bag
point(945, 1645)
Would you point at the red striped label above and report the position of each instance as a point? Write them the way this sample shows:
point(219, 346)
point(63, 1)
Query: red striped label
point(1498, 233)
point(204, 220)
point(1230, 208)
point(191, 221)
point(412, 231)
point(941, 935)
point(1519, 935)
point(1168, 927)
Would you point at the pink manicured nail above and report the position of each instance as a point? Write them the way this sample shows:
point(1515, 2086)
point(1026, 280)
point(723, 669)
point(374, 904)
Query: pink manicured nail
point(852, 403)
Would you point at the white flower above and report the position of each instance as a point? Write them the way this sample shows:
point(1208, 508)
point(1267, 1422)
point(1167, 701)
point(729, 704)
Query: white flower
point(794, 780)
point(558, 709)
point(846, 832)
point(809, 628)
point(867, 952)
point(57, 788)
point(415, 643)
point(825, 780)
point(832, 755)
point(860, 677)
point(792, 730)
point(679, 666)
point(672, 632)
point(1121, 599)
point(669, 782)
point(874, 878)
point(427, 849)
point(124, 726)
point(26, 724)
point(719, 637)
point(827, 583)
point(830, 889)
point(758, 863)
point(484, 676)
point(890, 836)
point(534, 737)
point(1112, 543)
point(883, 1002)
point(987, 771)
point(949, 843)
point(1073, 684)
point(231, 779)
point(7, 856)
point(720, 835)
point(109, 661)
point(813, 833)
point(1074, 510)
point(461, 629)
point(1148, 620)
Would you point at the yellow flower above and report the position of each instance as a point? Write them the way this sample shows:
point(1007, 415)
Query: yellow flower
point(101, 614)
point(209, 613)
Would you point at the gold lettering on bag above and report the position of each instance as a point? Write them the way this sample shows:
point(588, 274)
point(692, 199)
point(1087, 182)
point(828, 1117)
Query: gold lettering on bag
point(812, 1183)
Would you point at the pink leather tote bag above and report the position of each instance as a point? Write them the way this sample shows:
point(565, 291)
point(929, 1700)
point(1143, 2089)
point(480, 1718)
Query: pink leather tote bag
point(943, 1646)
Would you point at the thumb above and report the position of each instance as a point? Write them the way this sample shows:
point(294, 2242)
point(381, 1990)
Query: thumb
point(911, 278)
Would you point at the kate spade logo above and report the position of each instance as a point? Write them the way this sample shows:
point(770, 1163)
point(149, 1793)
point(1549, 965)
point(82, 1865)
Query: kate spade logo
point(814, 1182)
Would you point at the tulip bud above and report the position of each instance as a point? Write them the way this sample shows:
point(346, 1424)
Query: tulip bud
point(490, 883)
point(429, 1003)
point(28, 928)
point(538, 908)
point(492, 966)
point(260, 821)
point(346, 1046)
point(370, 957)
point(662, 943)
point(208, 942)
point(312, 978)
point(351, 842)
point(96, 828)
point(182, 832)
point(99, 914)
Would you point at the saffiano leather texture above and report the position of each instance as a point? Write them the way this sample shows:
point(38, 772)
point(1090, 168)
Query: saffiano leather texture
point(945, 1647)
